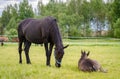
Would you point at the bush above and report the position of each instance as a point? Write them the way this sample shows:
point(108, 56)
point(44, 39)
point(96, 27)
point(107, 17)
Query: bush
point(117, 28)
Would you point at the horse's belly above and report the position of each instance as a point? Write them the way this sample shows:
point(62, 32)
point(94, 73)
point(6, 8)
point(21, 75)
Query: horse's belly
point(35, 40)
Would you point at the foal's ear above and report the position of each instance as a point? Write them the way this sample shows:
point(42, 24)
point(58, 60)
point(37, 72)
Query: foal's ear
point(81, 51)
point(88, 53)
point(65, 46)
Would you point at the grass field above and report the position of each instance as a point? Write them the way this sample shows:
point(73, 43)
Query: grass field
point(107, 53)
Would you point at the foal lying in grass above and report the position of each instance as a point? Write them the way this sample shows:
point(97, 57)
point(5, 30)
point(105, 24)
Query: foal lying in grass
point(88, 65)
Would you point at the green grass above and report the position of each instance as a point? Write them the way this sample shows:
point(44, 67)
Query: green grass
point(107, 55)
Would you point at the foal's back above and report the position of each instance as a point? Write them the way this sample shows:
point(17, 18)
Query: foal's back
point(88, 65)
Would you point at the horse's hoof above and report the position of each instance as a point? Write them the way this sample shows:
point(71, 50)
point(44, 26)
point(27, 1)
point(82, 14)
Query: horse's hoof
point(20, 62)
point(49, 65)
point(28, 62)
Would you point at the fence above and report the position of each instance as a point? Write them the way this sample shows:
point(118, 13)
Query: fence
point(73, 40)
point(14, 38)
point(8, 38)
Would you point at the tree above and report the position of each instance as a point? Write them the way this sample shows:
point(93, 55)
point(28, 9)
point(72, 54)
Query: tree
point(82, 11)
point(1, 28)
point(14, 12)
point(11, 15)
point(85, 11)
point(25, 10)
point(6, 16)
point(11, 28)
point(117, 28)
point(98, 15)
point(40, 7)
point(114, 15)
point(116, 9)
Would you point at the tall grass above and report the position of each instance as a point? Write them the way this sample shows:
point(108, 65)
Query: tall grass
point(108, 56)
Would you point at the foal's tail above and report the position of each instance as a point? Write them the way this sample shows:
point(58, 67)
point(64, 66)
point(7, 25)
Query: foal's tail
point(103, 70)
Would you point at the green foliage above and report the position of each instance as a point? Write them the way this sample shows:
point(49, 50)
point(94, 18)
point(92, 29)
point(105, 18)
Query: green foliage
point(74, 17)
point(117, 28)
point(113, 15)
point(12, 24)
point(12, 32)
point(5, 16)
point(12, 27)
point(25, 10)
point(1, 28)
point(116, 9)
point(12, 15)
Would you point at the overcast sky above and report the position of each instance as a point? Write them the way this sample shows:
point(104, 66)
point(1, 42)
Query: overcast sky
point(4, 3)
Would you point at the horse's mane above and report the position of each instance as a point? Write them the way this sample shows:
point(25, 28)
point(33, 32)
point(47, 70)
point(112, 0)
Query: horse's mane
point(55, 31)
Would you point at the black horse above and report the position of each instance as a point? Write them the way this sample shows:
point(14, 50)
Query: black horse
point(41, 31)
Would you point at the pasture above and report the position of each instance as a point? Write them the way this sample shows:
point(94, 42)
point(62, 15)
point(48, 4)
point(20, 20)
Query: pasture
point(106, 51)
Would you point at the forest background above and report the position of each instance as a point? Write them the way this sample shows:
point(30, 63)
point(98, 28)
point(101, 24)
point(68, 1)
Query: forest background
point(76, 18)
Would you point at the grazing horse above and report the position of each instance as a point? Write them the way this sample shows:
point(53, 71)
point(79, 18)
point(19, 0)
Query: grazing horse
point(88, 65)
point(41, 31)
point(3, 39)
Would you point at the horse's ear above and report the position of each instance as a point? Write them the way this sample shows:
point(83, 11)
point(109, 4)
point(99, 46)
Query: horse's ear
point(65, 46)
point(88, 53)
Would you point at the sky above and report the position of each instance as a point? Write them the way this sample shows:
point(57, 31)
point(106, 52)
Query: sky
point(4, 3)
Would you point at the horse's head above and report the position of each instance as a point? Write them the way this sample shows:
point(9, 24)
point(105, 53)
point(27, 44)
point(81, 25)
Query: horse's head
point(84, 55)
point(58, 53)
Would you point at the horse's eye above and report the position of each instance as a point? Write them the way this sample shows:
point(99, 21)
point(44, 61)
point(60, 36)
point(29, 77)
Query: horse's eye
point(60, 55)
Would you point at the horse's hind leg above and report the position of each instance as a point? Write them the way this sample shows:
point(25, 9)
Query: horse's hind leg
point(27, 46)
point(2, 43)
point(20, 51)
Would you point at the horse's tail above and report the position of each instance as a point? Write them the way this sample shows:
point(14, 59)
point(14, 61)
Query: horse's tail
point(19, 29)
point(103, 70)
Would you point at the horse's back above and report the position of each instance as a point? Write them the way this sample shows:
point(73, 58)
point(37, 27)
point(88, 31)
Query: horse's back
point(33, 23)
point(35, 30)
point(23, 24)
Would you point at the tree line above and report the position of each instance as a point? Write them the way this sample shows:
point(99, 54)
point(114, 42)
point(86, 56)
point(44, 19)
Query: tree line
point(75, 17)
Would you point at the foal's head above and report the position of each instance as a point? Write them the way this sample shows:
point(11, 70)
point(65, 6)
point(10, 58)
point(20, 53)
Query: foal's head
point(84, 55)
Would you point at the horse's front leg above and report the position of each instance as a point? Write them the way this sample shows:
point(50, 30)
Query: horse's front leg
point(47, 56)
point(48, 53)
point(27, 47)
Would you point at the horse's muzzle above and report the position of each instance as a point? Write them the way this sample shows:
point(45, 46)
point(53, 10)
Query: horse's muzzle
point(57, 65)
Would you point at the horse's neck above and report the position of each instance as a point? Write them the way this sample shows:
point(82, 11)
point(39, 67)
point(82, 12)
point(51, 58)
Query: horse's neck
point(58, 43)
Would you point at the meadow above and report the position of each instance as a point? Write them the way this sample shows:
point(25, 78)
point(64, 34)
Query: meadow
point(106, 51)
